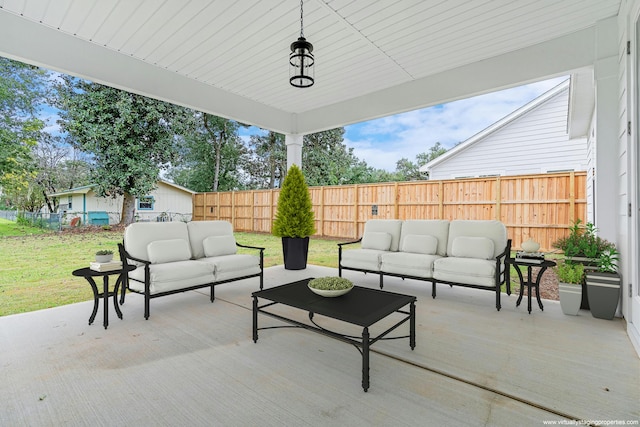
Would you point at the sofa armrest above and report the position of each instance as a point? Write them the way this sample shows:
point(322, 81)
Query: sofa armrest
point(506, 254)
point(124, 256)
point(340, 245)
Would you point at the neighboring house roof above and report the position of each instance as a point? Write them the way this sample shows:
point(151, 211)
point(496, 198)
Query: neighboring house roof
point(496, 126)
point(86, 188)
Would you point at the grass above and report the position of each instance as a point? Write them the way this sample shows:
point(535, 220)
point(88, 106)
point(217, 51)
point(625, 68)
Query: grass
point(36, 264)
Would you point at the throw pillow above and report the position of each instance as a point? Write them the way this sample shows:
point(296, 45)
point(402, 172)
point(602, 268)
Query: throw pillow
point(420, 244)
point(219, 245)
point(377, 240)
point(472, 247)
point(161, 251)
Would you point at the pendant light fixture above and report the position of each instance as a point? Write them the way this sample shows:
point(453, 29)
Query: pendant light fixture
point(301, 61)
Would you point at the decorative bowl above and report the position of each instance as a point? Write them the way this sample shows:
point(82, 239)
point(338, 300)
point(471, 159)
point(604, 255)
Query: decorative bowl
point(104, 258)
point(530, 246)
point(330, 286)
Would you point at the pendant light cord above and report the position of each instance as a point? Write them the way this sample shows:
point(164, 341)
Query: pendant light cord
point(301, 21)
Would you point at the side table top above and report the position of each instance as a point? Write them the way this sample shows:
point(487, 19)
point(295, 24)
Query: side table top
point(533, 263)
point(88, 272)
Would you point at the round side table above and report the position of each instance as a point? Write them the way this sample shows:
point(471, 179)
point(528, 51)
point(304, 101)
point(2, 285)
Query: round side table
point(529, 282)
point(89, 274)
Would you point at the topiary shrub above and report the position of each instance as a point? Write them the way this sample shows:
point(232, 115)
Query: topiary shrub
point(294, 217)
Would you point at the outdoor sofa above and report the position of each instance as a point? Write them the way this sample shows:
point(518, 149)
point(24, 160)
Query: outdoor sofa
point(469, 253)
point(176, 257)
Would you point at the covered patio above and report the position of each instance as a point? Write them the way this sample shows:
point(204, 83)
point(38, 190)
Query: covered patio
point(194, 363)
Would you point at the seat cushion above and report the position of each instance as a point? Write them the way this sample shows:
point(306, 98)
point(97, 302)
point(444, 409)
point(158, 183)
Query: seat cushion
point(231, 266)
point(494, 230)
point(471, 271)
point(172, 275)
point(409, 264)
point(363, 259)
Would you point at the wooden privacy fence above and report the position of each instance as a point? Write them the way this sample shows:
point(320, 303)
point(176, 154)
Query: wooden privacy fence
point(541, 207)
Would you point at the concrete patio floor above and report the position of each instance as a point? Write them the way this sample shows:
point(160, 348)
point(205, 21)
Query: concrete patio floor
point(194, 363)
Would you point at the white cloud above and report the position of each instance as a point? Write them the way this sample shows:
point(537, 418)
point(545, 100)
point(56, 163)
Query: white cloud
point(382, 142)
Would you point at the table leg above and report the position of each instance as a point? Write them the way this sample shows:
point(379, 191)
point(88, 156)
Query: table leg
point(521, 284)
point(412, 325)
point(255, 319)
point(365, 359)
point(105, 297)
point(529, 289)
point(115, 296)
point(94, 288)
point(538, 287)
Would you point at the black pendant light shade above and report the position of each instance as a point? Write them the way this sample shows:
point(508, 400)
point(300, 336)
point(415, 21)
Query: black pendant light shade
point(301, 61)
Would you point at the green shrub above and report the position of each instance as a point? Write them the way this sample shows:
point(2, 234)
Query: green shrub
point(569, 272)
point(294, 217)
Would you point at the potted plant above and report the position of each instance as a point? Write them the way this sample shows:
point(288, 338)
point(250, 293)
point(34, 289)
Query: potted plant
point(570, 278)
point(294, 221)
point(583, 246)
point(104, 255)
point(603, 285)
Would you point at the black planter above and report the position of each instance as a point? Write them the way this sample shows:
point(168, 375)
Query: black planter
point(604, 294)
point(295, 250)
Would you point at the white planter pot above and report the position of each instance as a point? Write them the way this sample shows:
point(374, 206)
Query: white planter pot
point(570, 298)
point(104, 258)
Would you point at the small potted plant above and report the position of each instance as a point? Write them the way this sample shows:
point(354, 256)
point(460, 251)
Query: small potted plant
point(294, 221)
point(104, 255)
point(603, 285)
point(570, 277)
point(330, 286)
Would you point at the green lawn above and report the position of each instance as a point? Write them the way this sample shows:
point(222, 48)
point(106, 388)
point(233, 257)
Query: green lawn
point(36, 266)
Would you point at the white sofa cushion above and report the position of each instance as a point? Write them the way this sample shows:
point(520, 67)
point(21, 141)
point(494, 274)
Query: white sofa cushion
point(169, 250)
point(471, 271)
point(377, 240)
point(472, 247)
point(419, 244)
point(410, 264)
point(364, 259)
point(200, 230)
point(172, 276)
point(139, 234)
point(219, 245)
point(391, 226)
point(438, 228)
point(231, 266)
point(494, 230)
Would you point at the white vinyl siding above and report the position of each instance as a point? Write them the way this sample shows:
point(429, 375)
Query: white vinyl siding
point(536, 142)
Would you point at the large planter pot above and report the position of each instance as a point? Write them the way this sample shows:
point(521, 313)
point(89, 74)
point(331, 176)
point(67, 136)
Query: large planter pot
point(589, 264)
point(295, 250)
point(604, 293)
point(570, 297)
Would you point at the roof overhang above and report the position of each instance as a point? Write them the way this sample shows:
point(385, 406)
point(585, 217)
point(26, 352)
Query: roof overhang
point(374, 59)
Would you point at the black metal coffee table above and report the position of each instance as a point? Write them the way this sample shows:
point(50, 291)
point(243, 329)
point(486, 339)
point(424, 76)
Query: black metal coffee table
point(361, 307)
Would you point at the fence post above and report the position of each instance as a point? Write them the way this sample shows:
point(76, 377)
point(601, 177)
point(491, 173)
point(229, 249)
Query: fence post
point(396, 202)
point(441, 199)
point(355, 211)
point(498, 197)
point(572, 197)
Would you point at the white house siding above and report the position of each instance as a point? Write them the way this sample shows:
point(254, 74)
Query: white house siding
point(536, 142)
point(628, 193)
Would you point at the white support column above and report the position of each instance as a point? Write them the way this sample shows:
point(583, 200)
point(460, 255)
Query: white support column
point(294, 149)
point(606, 127)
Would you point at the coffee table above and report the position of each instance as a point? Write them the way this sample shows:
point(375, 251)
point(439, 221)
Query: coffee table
point(361, 306)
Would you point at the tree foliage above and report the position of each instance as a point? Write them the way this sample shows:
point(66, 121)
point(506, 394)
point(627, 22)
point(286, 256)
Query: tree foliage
point(130, 137)
point(211, 156)
point(21, 90)
point(294, 217)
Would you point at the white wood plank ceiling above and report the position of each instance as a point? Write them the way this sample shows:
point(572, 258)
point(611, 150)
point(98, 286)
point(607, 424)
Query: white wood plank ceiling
point(236, 51)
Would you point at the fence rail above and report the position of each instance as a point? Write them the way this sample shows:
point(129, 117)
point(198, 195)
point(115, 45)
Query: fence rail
point(541, 207)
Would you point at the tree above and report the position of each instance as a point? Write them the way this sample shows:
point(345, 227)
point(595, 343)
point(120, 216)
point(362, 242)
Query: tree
point(130, 137)
point(269, 164)
point(21, 90)
point(212, 156)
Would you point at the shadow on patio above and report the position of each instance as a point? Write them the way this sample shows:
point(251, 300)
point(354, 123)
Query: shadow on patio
point(194, 363)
